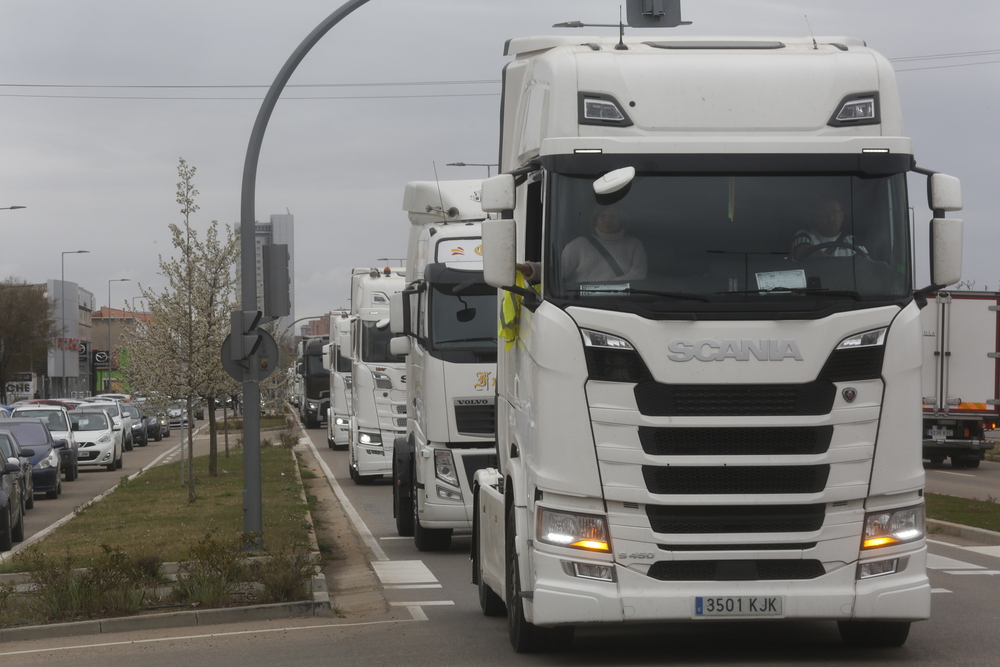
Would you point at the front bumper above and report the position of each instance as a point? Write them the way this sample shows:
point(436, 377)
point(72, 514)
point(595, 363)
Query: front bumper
point(45, 480)
point(563, 599)
point(96, 455)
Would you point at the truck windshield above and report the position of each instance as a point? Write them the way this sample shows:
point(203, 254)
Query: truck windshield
point(375, 345)
point(314, 365)
point(729, 242)
point(466, 320)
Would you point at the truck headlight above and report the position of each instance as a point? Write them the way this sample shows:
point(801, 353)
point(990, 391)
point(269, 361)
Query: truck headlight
point(369, 438)
point(444, 467)
point(569, 529)
point(340, 421)
point(890, 527)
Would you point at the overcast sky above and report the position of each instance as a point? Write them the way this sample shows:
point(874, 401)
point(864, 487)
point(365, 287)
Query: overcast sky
point(100, 98)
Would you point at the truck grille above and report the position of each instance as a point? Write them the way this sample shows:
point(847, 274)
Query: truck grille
point(682, 480)
point(696, 520)
point(699, 400)
point(400, 422)
point(737, 570)
point(752, 441)
point(476, 419)
point(854, 365)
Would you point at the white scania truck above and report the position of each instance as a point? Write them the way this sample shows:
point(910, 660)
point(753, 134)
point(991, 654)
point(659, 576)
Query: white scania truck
point(339, 366)
point(378, 379)
point(448, 316)
point(726, 424)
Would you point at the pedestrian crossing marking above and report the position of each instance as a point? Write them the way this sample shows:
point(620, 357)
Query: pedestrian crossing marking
point(403, 572)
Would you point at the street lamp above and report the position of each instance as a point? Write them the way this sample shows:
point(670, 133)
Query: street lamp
point(62, 308)
point(113, 280)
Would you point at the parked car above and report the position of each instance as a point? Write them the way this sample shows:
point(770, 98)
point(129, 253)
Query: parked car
point(12, 500)
point(100, 445)
point(178, 416)
point(46, 464)
point(164, 420)
point(56, 418)
point(116, 426)
point(118, 414)
point(110, 397)
point(140, 424)
point(68, 403)
point(9, 441)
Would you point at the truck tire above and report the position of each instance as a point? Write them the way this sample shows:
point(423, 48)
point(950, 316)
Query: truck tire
point(429, 539)
point(402, 504)
point(881, 634)
point(527, 637)
point(491, 603)
point(937, 460)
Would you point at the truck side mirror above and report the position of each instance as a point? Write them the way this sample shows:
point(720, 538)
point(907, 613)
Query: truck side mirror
point(399, 346)
point(397, 318)
point(499, 247)
point(946, 251)
point(327, 357)
point(499, 194)
point(944, 193)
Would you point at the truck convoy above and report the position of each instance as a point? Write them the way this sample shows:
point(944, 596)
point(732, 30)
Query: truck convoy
point(314, 382)
point(448, 315)
point(378, 380)
point(709, 413)
point(338, 419)
point(960, 376)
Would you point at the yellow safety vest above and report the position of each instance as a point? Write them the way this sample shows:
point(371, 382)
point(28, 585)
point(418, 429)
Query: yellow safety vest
point(510, 313)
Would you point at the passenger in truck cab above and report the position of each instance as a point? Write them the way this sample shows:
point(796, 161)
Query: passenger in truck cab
point(824, 237)
point(606, 254)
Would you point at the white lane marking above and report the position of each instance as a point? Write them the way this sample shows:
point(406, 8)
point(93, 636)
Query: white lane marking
point(359, 524)
point(940, 590)
point(990, 572)
point(416, 612)
point(986, 551)
point(205, 636)
point(424, 603)
point(410, 587)
point(958, 474)
point(404, 572)
point(395, 537)
point(938, 562)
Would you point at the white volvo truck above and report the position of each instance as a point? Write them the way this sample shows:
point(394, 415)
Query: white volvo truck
point(448, 316)
point(726, 423)
point(339, 366)
point(961, 376)
point(378, 380)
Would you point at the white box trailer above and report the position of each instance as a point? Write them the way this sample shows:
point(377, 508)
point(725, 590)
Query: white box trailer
point(961, 375)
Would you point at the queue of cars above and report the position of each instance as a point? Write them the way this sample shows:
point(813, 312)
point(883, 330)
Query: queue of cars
point(44, 442)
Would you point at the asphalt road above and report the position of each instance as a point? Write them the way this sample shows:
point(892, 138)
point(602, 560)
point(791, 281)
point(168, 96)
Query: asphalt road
point(434, 619)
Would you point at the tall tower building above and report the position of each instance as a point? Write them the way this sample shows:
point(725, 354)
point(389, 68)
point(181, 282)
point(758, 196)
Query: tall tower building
point(280, 230)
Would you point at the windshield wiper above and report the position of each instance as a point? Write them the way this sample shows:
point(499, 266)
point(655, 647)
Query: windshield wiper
point(689, 296)
point(811, 291)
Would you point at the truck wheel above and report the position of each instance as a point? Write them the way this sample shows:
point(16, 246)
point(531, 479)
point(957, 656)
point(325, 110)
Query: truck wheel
point(884, 634)
point(527, 637)
point(937, 460)
point(330, 443)
point(972, 462)
point(491, 603)
point(429, 539)
point(402, 506)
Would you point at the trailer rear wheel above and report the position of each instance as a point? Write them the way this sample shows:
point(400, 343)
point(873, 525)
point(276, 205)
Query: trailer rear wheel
point(885, 634)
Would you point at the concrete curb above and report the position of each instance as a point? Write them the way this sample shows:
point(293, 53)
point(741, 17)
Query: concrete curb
point(978, 535)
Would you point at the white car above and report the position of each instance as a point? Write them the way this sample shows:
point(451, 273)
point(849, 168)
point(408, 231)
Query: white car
point(57, 419)
point(120, 417)
point(100, 444)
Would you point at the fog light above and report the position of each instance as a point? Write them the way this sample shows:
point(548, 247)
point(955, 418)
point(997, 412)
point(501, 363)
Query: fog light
point(448, 494)
point(878, 568)
point(596, 571)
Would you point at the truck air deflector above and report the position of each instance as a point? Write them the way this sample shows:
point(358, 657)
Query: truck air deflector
point(717, 45)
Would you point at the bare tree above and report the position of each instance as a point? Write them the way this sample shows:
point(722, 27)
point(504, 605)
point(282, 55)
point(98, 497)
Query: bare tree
point(178, 349)
point(27, 328)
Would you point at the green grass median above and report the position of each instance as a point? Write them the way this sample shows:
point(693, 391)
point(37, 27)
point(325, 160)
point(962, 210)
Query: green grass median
point(150, 515)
